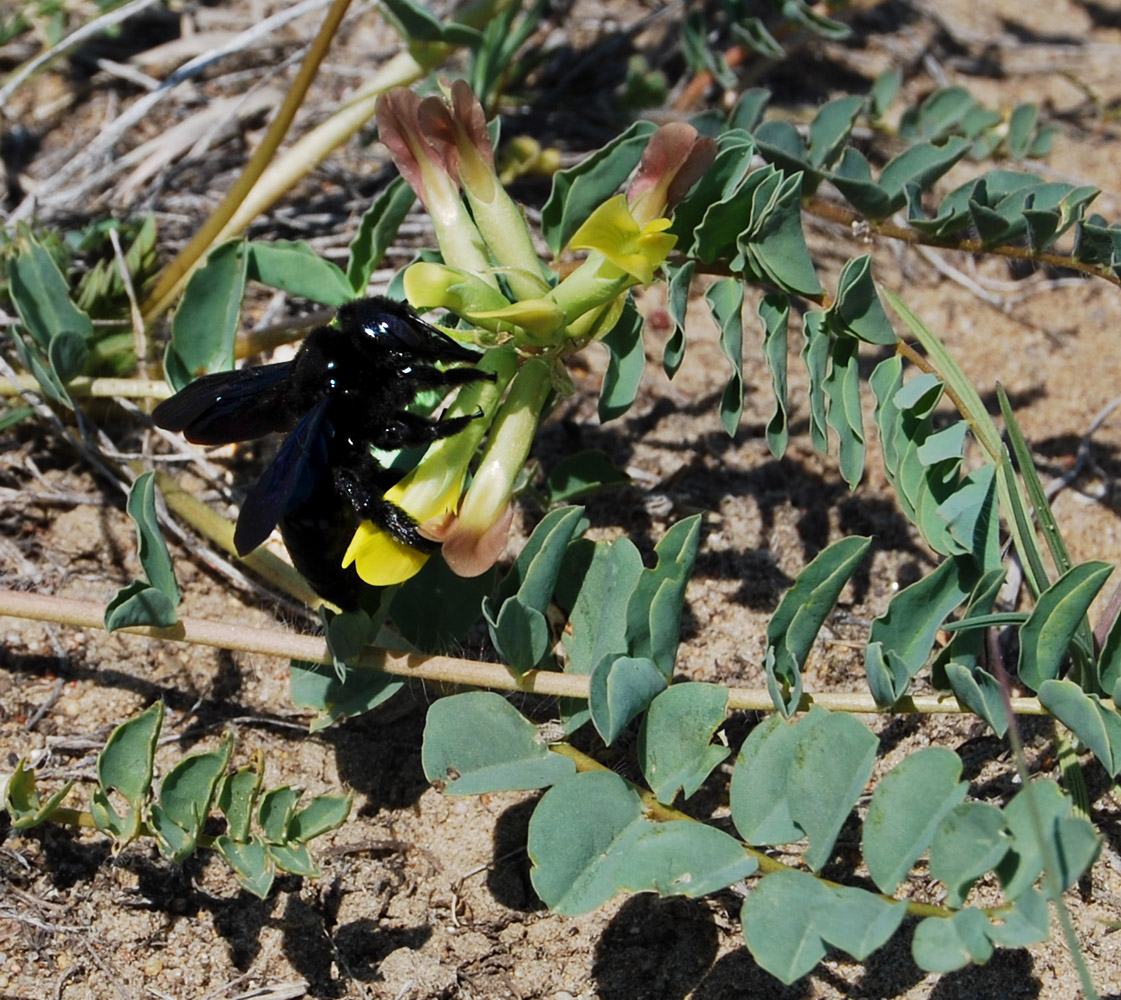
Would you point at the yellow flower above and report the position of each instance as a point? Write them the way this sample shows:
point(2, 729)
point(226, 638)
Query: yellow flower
point(635, 250)
point(430, 493)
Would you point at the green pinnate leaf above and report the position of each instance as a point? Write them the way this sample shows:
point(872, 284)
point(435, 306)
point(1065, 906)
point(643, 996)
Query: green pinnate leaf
point(251, 863)
point(576, 837)
point(857, 921)
point(1047, 815)
point(125, 766)
point(579, 190)
point(801, 613)
point(294, 859)
point(906, 809)
point(274, 815)
point(681, 858)
point(760, 791)
point(942, 944)
point(581, 475)
point(1094, 723)
point(237, 797)
point(589, 840)
point(857, 309)
point(41, 296)
point(478, 742)
point(774, 313)
point(1046, 636)
point(154, 557)
point(620, 689)
point(625, 364)
point(205, 325)
point(969, 842)
point(1026, 922)
point(376, 231)
point(22, 802)
point(654, 608)
point(139, 604)
point(833, 764)
point(725, 299)
point(321, 815)
point(778, 919)
point(186, 794)
point(320, 687)
point(675, 749)
point(295, 268)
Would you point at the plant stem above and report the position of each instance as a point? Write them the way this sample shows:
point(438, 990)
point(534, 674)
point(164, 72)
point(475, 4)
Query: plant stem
point(446, 669)
point(832, 212)
point(662, 813)
point(176, 272)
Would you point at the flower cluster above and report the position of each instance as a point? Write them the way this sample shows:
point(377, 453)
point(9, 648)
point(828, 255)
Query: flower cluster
point(527, 319)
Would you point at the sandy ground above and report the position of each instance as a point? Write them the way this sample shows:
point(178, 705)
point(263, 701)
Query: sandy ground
point(426, 896)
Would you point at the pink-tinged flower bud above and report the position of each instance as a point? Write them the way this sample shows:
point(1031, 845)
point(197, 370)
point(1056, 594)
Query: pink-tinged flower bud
point(423, 168)
point(478, 535)
point(459, 135)
point(430, 492)
point(676, 157)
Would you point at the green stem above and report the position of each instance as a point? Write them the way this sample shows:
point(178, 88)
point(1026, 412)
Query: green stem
point(176, 272)
point(832, 212)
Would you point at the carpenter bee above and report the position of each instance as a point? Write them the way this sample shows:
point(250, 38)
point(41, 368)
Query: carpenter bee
point(344, 392)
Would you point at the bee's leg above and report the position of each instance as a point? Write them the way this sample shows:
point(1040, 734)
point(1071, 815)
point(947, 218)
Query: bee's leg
point(407, 429)
point(360, 485)
point(423, 376)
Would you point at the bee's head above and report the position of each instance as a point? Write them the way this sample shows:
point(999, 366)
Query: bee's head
point(394, 327)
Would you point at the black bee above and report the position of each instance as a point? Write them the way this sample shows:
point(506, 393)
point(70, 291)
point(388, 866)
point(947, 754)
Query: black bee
point(344, 392)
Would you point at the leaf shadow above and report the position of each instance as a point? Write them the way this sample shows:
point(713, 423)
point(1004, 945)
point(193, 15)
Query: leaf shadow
point(655, 949)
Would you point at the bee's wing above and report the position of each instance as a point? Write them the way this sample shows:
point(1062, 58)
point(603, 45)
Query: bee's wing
point(229, 406)
point(287, 482)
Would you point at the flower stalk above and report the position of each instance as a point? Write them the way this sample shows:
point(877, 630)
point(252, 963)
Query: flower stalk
point(442, 148)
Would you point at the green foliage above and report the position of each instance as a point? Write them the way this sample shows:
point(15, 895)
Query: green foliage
point(589, 839)
point(265, 832)
point(151, 601)
point(594, 610)
point(478, 742)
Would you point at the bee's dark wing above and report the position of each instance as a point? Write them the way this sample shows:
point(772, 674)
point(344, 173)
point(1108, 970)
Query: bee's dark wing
point(230, 406)
point(287, 482)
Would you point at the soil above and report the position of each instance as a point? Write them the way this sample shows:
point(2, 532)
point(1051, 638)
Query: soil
point(426, 896)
